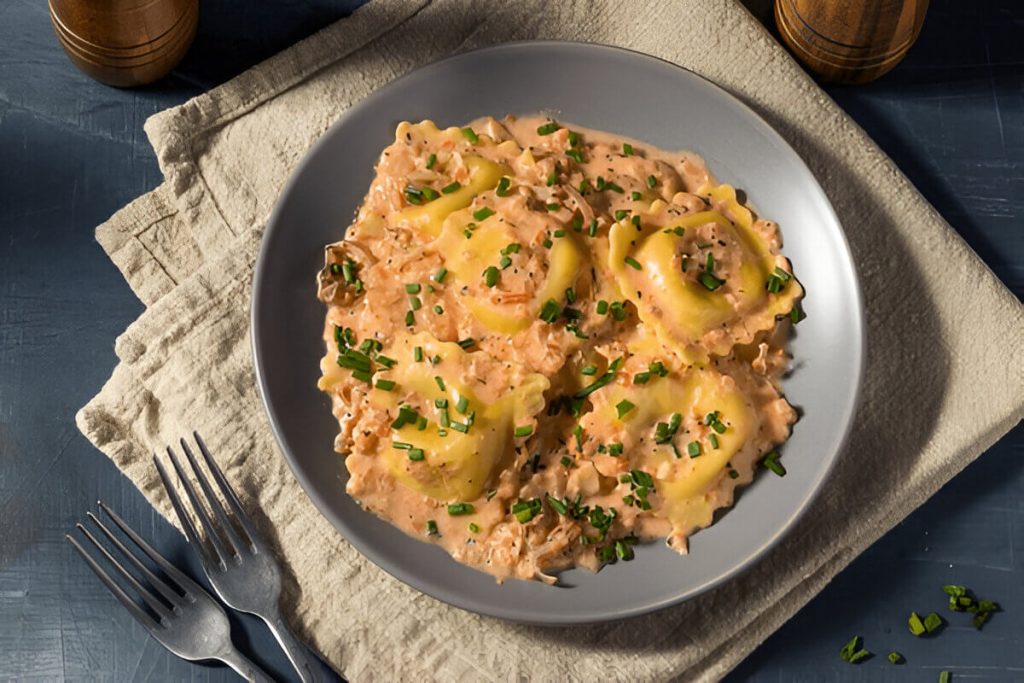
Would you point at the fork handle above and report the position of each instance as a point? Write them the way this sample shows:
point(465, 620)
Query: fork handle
point(297, 652)
point(244, 667)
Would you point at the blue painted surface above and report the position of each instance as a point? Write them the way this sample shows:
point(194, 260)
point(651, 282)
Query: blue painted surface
point(72, 152)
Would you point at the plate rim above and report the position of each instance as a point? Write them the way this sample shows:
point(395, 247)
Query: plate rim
point(412, 579)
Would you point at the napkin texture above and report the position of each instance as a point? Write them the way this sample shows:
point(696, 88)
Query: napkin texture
point(944, 379)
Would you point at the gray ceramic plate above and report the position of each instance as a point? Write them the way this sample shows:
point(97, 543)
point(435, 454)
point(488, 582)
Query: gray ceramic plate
point(607, 89)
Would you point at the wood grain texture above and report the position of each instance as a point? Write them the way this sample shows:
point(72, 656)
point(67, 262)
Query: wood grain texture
point(73, 151)
point(849, 41)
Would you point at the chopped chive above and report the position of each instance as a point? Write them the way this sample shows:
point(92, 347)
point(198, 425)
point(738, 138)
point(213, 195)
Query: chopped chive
point(415, 303)
point(412, 288)
point(559, 233)
point(733, 474)
point(470, 135)
point(348, 271)
point(796, 314)
point(431, 160)
point(658, 368)
point(635, 195)
point(483, 214)
point(584, 186)
point(575, 154)
point(771, 461)
point(618, 311)
point(440, 382)
point(505, 262)
point(417, 354)
point(577, 432)
point(615, 449)
point(440, 275)
point(401, 445)
point(635, 220)
point(589, 370)
point(600, 184)
point(633, 263)
point(385, 384)
point(710, 282)
point(614, 187)
point(685, 263)
point(548, 128)
point(490, 494)
point(713, 440)
point(467, 343)
point(549, 311)
point(502, 189)
point(438, 309)
point(431, 527)
point(552, 179)
point(336, 268)
point(435, 360)
point(491, 276)
point(574, 138)
point(430, 193)
point(623, 407)
point(651, 181)
point(621, 214)
point(932, 622)
point(421, 423)
point(416, 454)
point(459, 427)
point(451, 187)
point(473, 527)
point(577, 221)
point(602, 307)
point(457, 509)
point(445, 419)
point(524, 430)
point(570, 295)
point(592, 229)
point(641, 378)
point(627, 149)
point(623, 551)
point(440, 403)
point(944, 676)
point(547, 243)
point(693, 449)
point(553, 206)
point(566, 461)
point(916, 625)
point(462, 405)
point(895, 657)
point(557, 505)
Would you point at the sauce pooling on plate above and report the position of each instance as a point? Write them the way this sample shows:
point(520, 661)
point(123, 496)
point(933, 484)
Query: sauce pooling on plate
point(546, 344)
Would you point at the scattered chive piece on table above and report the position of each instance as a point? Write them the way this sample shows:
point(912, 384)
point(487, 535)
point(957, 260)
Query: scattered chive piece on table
point(524, 430)
point(456, 509)
point(470, 135)
point(944, 676)
point(623, 407)
point(915, 624)
point(850, 649)
point(932, 622)
point(895, 657)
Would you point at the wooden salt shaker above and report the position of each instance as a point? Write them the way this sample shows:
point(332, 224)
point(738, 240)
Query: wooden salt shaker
point(125, 43)
point(850, 41)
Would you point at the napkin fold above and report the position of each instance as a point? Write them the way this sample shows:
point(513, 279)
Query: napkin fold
point(944, 336)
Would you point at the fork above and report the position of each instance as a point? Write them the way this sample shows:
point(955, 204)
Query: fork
point(239, 564)
point(189, 621)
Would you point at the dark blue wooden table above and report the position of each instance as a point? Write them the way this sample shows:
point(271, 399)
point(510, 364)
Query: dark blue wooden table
point(72, 152)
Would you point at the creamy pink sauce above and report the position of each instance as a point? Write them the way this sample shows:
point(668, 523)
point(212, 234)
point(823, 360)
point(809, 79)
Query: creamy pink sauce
point(569, 459)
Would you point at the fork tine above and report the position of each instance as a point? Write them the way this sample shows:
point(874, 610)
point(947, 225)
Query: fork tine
point(225, 488)
point(150, 599)
point(233, 539)
point(136, 611)
point(155, 581)
point(183, 580)
point(179, 509)
point(212, 536)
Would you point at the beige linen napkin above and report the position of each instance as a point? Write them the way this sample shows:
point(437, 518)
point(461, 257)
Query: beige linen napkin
point(945, 374)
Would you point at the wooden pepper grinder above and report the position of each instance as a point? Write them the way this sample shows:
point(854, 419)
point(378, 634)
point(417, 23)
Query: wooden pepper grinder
point(850, 41)
point(125, 43)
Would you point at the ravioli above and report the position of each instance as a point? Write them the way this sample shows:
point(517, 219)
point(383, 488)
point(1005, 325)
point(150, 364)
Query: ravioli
point(546, 344)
